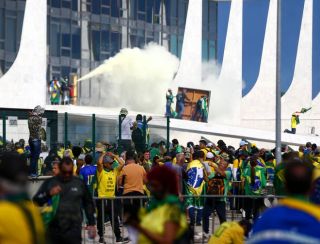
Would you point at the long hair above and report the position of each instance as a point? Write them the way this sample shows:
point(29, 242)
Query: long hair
point(253, 164)
point(166, 177)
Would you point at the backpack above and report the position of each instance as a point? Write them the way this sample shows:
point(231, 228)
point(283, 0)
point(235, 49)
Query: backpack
point(137, 136)
point(215, 186)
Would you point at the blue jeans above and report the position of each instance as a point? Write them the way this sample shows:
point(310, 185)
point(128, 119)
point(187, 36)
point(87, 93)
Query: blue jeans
point(35, 148)
point(180, 109)
point(195, 215)
point(168, 110)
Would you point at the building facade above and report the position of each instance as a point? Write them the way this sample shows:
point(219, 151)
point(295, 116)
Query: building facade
point(81, 34)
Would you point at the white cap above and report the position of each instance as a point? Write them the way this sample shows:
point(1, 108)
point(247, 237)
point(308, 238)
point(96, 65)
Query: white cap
point(82, 156)
point(210, 144)
point(242, 143)
point(209, 155)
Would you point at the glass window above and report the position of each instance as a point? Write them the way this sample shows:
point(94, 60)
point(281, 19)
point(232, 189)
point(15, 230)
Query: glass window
point(56, 3)
point(105, 10)
point(153, 11)
point(11, 38)
point(141, 42)
point(205, 17)
point(11, 13)
point(55, 40)
point(182, 12)
point(104, 56)
point(115, 43)
point(212, 50)
point(1, 67)
point(105, 41)
point(20, 16)
point(142, 5)
point(8, 66)
point(133, 9)
point(65, 71)
point(105, 2)
point(95, 6)
point(95, 45)
point(65, 52)
point(205, 56)
point(180, 41)
point(171, 11)
point(213, 17)
point(66, 4)
point(2, 23)
point(66, 40)
point(174, 45)
point(115, 8)
point(75, 5)
point(76, 45)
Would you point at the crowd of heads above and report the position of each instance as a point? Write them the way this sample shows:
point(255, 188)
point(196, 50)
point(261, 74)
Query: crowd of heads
point(170, 168)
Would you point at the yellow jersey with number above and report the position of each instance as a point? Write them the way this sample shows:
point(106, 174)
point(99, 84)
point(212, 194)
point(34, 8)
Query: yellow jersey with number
point(228, 233)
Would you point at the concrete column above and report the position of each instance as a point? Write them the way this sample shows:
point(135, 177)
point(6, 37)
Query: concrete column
point(24, 85)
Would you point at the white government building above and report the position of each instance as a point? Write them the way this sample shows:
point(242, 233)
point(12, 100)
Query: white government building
point(25, 83)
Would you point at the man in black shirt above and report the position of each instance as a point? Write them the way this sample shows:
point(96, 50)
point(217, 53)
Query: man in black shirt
point(74, 195)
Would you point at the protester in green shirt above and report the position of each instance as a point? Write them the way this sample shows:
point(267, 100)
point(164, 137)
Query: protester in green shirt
point(254, 180)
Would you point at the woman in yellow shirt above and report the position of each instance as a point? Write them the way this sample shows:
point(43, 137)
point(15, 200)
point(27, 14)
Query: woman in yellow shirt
point(163, 220)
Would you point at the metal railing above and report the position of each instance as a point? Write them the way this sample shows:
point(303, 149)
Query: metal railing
point(112, 212)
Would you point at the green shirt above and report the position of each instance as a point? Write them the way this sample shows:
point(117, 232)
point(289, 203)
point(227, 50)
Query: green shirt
point(260, 180)
point(279, 181)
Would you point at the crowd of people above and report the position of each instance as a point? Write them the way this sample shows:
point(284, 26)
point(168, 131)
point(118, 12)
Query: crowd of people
point(184, 186)
point(60, 91)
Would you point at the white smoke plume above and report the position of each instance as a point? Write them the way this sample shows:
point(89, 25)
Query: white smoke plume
point(136, 78)
point(139, 78)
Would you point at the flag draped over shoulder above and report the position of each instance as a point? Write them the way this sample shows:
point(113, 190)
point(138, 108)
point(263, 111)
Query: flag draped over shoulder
point(195, 181)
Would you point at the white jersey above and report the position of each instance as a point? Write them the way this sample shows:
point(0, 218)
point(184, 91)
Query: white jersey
point(126, 126)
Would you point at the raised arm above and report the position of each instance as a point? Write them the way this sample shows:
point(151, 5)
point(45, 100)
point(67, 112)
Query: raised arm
point(99, 163)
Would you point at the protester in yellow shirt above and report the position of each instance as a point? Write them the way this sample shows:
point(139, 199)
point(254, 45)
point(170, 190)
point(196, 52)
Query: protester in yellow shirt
point(231, 233)
point(20, 220)
point(164, 219)
point(106, 187)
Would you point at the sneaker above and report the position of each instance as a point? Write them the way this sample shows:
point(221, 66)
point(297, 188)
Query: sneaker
point(198, 224)
point(202, 236)
point(206, 236)
point(122, 240)
point(33, 175)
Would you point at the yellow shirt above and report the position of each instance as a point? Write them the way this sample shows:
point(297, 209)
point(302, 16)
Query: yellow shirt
point(228, 233)
point(293, 122)
point(237, 163)
point(107, 182)
point(14, 225)
point(155, 221)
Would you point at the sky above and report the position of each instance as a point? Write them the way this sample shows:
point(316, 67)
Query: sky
point(255, 14)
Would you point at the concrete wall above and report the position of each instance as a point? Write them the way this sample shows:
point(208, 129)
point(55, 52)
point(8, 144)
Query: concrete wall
point(24, 85)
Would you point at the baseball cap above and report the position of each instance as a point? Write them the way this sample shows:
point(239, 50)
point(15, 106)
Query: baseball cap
point(100, 147)
point(123, 111)
point(82, 156)
point(242, 143)
point(107, 159)
point(13, 167)
point(210, 144)
point(210, 155)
